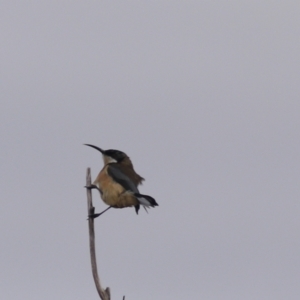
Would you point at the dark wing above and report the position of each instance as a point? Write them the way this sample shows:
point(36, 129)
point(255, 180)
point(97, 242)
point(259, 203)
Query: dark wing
point(118, 176)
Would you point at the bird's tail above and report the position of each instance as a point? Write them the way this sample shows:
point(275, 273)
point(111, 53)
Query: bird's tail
point(145, 200)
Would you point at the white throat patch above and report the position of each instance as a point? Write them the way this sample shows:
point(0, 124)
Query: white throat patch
point(108, 159)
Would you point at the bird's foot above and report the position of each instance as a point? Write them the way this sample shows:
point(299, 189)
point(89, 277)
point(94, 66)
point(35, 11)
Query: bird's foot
point(93, 216)
point(91, 187)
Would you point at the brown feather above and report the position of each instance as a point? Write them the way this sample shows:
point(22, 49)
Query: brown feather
point(126, 167)
point(112, 193)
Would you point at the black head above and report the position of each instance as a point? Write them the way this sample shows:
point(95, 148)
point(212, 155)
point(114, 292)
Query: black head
point(114, 154)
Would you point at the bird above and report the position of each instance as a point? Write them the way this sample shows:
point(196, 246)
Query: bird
point(118, 182)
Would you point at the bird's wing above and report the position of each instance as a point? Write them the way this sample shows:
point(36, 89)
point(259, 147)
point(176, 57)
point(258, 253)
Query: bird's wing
point(118, 176)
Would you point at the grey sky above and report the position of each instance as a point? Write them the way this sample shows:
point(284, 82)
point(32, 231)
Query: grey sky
point(203, 96)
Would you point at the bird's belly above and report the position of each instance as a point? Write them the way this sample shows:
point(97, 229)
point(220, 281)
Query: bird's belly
point(119, 200)
point(113, 194)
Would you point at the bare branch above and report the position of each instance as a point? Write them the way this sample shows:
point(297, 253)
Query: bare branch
point(104, 294)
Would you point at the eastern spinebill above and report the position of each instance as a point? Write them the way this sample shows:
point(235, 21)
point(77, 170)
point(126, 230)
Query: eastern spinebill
point(118, 182)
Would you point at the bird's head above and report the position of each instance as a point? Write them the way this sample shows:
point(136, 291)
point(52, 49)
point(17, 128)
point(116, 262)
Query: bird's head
point(111, 155)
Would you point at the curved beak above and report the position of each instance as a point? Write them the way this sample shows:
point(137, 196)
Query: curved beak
point(95, 147)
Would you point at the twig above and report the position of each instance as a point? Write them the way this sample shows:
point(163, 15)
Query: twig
point(104, 294)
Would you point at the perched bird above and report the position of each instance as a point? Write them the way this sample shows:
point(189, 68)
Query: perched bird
point(118, 182)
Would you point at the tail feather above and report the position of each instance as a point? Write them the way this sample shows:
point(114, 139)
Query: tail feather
point(137, 208)
point(145, 200)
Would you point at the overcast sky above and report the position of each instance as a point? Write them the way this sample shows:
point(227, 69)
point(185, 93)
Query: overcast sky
point(204, 98)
